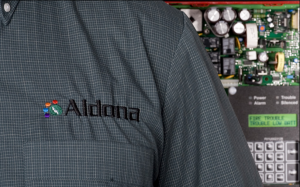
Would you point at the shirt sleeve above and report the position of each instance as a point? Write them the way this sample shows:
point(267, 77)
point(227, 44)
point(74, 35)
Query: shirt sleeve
point(203, 142)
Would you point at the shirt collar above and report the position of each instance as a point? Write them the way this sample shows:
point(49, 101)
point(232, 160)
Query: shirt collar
point(6, 16)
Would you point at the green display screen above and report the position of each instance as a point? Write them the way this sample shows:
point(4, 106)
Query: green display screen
point(272, 120)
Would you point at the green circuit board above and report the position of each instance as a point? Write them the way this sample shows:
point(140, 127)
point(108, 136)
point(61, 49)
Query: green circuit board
point(255, 52)
point(269, 56)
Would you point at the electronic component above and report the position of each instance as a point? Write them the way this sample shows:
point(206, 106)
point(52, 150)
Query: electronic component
point(255, 15)
point(251, 55)
point(240, 73)
point(253, 79)
point(262, 43)
point(213, 14)
point(273, 42)
point(211, 42)
point(214, 56)
point(228, 46)
point(245, 15)
point(221, 28)
point(297, 75)
point(252, 35)
point(239, 28)
point(279, 58)
point(261, 11)
point(228, 66)
point(206, 31)
point(195, 16)
point(229, 14)
point(276, 77)
point(269, 19)
point(272, 62)
point(284, 22)
point(253, 71)
point(271, 25)
point(262, 28)
point(261, 71)
point(296, 60)
point(282, 44)
point(263, 57)
point(218, 68)
point(290, 76)
point(295, 20)
point(295, 51)
point(247, 62)
point(230, 83)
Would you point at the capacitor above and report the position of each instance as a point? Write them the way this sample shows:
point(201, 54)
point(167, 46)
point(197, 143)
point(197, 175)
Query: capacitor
point(251, 35)
point(269, 19)
point(213, 14)
point(271, 25)
point(263, 57)
point(245, 15)
point(229, 14)
point(239, 28)
point(296, 60)
point(222, 28)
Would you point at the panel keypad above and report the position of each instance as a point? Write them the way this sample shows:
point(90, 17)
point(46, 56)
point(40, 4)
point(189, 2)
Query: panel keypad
point(276, 161)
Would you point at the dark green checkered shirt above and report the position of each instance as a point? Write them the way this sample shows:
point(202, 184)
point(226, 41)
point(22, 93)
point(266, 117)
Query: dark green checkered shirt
point(141, 102)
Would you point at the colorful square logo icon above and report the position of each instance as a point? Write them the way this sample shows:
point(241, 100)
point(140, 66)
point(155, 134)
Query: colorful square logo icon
point(52, 109)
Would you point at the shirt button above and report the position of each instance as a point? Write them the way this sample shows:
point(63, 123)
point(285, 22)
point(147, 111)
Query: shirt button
point(6, 7)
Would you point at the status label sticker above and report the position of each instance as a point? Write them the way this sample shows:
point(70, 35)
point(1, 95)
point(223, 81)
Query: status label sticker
point(272, 120)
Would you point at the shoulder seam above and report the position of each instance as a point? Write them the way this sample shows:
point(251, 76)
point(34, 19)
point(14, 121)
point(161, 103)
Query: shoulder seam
point(172, 62)
point(165, 90)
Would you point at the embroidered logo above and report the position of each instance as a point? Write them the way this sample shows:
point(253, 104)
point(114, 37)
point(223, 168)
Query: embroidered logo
point(103, 110)
point(53, 109)
point(93, 110)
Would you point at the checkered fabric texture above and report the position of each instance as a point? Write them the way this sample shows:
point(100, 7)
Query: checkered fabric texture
point(141, 54)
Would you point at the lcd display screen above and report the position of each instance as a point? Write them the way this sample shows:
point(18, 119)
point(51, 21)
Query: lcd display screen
point(272, 120)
